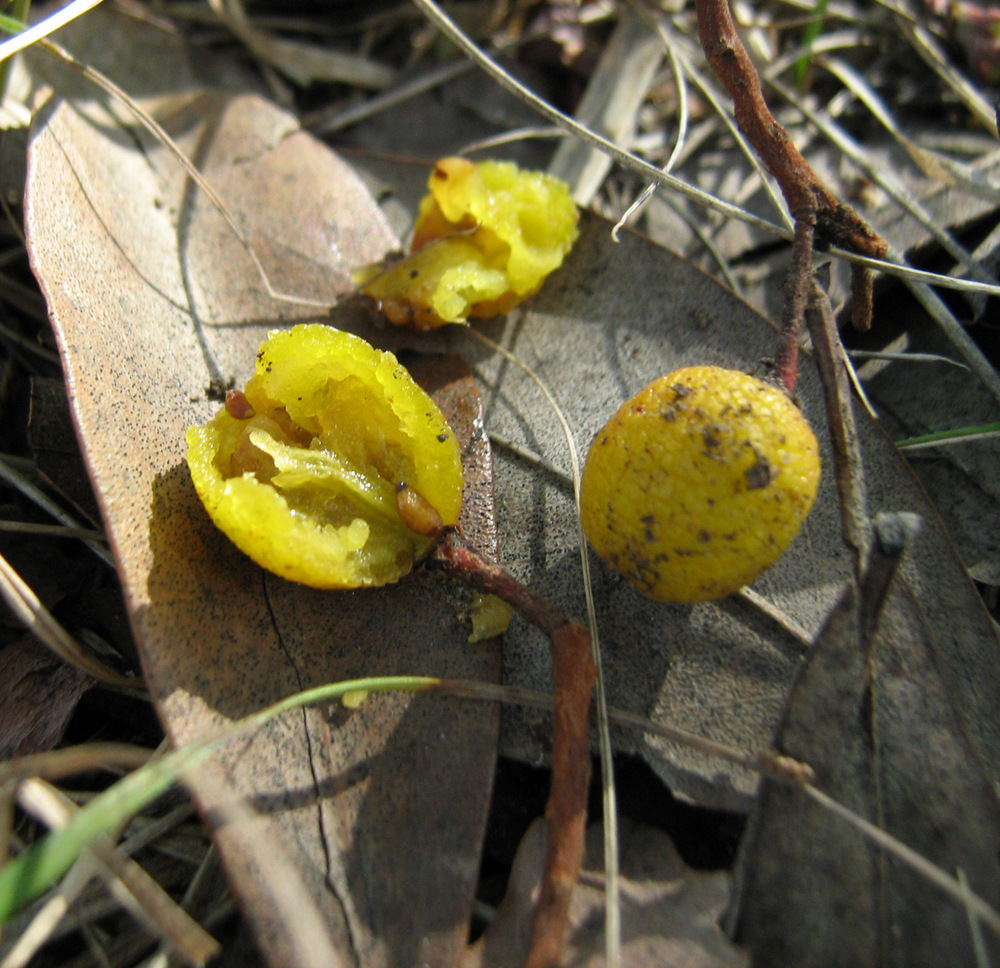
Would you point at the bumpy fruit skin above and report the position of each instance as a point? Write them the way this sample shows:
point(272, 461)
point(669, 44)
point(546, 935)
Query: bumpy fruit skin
point(485, 239)
point(304, 471)
point(699, 483)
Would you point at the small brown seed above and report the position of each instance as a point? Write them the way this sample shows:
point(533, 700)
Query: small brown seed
point(238, 406)
point(416, 512)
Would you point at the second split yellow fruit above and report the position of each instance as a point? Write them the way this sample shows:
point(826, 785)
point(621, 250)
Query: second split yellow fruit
point(699, 483)
point(486, 238)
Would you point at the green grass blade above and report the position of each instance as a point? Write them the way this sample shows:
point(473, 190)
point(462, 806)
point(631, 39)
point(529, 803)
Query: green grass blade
point(41, 865)
point(810, 34)
point(948, 436)
point(32, 872)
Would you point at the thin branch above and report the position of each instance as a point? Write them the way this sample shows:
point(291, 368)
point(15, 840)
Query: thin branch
point(821, 220)
point(573, 677)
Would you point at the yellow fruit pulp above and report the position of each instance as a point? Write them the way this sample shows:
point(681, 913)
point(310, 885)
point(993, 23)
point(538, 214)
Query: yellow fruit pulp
point(485, 239)
point(699, 483)
point(489, 616)
point(308, 482)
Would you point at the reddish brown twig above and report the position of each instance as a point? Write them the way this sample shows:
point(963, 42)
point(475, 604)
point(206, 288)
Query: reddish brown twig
point(573, 678)
point(820, 219)
point(796, 299)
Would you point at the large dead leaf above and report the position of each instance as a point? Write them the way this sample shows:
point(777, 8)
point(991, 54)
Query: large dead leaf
point(881, 731)
point(380, 811)
point(614, 318)
point(611, 320)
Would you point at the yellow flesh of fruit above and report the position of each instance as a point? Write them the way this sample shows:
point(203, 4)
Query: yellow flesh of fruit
point(699, 483)
point(307, 486)
point(485, 239)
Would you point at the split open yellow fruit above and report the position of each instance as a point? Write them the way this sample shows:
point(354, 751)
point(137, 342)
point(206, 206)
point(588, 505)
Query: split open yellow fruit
point(485, 239)
point(332, 468)
point(699, 483)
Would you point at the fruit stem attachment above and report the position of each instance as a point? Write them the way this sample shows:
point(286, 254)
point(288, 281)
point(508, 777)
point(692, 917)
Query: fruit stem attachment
point(573, 678)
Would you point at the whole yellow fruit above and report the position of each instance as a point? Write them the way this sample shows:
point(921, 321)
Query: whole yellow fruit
point(699, 483)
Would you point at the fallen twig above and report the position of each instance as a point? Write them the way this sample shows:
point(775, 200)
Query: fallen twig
point(573, 678)
point(821, 220)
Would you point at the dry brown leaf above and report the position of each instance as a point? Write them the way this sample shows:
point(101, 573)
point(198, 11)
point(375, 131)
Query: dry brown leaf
point(670, 913)
point(380, 810)
point(882, 735)
point(38, 694)
point(611, 320)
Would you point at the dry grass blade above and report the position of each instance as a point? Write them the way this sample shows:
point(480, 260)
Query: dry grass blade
point(932, 163)
point(953, 329)
point(19, 341)
point(47, 26)
point(16, 479)
point(55, 764)
point(712, 95)
point(327, 122)
point(946, 437)
point(130, 883)
point(302, 63)
point(704, 236)
point(616, 89)
point(683, 119)
point(51, 530)
point(894, 265)
point(930, 52)
point(975, 928)
point(848, 466)
point(948, 884)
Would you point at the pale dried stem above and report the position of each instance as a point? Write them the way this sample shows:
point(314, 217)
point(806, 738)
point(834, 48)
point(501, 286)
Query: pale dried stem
point(848, 465)
point(133, 887)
